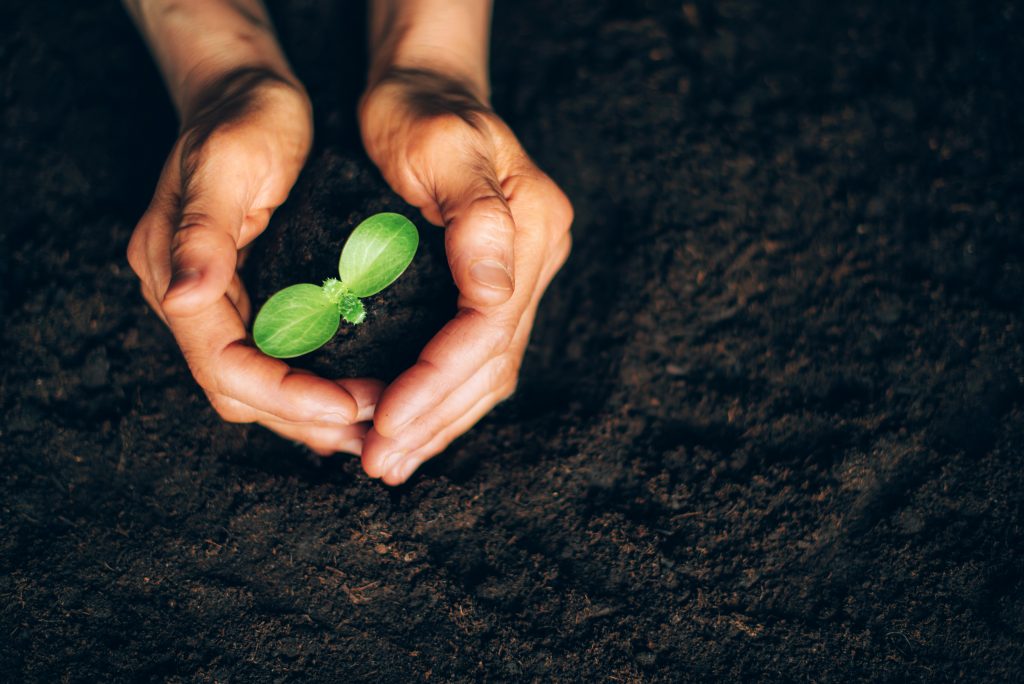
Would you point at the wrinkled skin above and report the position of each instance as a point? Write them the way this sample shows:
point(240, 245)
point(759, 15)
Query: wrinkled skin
point(444, 151)
point(235, 161)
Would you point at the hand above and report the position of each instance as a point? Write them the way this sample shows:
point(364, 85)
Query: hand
point(506, 235)
point(236, 160)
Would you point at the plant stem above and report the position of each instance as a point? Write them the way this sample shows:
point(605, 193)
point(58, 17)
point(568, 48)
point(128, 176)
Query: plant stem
point(349, 306)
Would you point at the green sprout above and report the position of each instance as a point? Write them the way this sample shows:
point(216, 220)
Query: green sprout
point(302, 318)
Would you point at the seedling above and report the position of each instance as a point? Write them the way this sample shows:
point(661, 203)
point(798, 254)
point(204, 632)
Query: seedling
point(302, 318)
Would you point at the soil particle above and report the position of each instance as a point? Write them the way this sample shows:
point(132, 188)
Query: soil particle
point(769, 423)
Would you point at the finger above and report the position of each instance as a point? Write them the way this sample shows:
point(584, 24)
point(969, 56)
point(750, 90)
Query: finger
point(239, 297)
point(366, 392)
point(323, 440)
point(465, 344)
point(185, 245)
point(460, 411)
point(148, 249)
point(401, 470)
point(544, 216)
point(151, 299)
point(204, 248)
point(428, 435)
point(382, 455)
point(497, 377)
point(223, 364)
point(454, 355)
point(234, 411)
point(480, 233)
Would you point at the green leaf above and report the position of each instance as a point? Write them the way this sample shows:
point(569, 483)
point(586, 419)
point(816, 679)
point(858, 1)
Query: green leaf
point(295, 321)
point(378, 251)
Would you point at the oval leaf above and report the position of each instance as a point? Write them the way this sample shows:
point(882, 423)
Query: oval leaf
point(295, 321)
point(378, 251)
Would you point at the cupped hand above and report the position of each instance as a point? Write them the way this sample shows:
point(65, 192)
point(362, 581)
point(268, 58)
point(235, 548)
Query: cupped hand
point(239, 154)
point(506, 236)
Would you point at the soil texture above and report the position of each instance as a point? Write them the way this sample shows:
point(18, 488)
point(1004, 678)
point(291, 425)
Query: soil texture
point(770, 425)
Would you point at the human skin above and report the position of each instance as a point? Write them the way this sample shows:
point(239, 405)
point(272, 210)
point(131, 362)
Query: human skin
point(246, 128)
point(427, 124)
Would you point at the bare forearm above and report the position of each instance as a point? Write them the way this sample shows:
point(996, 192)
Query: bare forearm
point(198, 42)
point(450, 37)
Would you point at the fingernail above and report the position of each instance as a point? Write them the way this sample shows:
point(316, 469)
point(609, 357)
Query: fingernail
point(334, 419)
point(389, 461)
point(183, 280)
point(492, 274)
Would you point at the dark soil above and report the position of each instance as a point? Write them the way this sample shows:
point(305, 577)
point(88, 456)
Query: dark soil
point(770, 425)
point(339, 189)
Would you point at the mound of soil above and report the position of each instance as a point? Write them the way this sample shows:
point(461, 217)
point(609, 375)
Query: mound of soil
point(769, 425)
point(335, 193)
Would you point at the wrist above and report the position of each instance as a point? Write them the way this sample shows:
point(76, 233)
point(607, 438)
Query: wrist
point(448, 38)
point(235, 87)
point(215, 80)
point(199, 43)
point(441, 69)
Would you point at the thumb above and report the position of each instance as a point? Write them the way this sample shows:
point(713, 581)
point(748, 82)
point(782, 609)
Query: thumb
point(204, 251)
point(479, 238)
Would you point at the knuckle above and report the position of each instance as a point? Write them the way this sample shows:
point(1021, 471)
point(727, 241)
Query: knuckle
point(568, 214)
point(199, 235)
point(479, 205)
point(499, 336)
point(137, 253)
point(562, 210)
point(557, 205)
point(490, 333)
point(486, 233)
point(207, 381)
point(508, 389)
point(229, 410)
point(489, 207)
point(206, 377)
point(147, 295)
point(192, 226)
point(563, 249)
point(504, 373)
point(194, 236)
